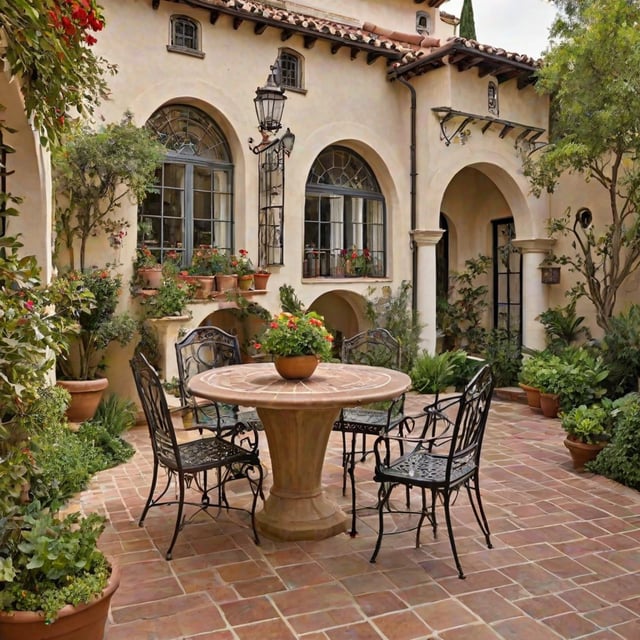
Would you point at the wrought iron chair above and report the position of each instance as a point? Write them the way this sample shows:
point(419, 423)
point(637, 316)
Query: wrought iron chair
point(204, 348)
point(375, 347)
point(442, 459)
point(232, 453)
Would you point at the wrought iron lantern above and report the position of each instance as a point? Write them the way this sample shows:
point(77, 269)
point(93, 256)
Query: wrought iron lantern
point(269, 102)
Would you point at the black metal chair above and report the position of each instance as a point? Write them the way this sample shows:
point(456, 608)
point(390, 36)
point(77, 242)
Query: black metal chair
point(204, 348)
point(442, 459)
point(374, 347)
point(232, 453)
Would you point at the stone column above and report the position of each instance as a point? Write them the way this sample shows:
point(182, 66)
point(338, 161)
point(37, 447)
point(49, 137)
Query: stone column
point(535, 295)
point(425, 241)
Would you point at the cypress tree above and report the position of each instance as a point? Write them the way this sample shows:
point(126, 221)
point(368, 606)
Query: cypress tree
point(467, 23)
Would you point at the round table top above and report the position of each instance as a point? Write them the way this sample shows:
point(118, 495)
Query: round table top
point(331, 385)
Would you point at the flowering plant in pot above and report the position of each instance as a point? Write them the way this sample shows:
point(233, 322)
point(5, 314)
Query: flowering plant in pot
point(290, 335)
point(46, 562)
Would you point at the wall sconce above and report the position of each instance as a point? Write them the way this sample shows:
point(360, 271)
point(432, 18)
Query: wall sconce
point(549, 273)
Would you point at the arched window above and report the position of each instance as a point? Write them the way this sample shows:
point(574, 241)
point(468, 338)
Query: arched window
point(344, 210)
point(423, 23)
point(185, 35)
point(192, 204)
point(290, 69)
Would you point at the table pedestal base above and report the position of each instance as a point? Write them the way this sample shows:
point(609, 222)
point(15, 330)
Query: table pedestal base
point(297, 508)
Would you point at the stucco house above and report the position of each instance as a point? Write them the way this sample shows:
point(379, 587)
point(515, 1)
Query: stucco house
point(408, 142)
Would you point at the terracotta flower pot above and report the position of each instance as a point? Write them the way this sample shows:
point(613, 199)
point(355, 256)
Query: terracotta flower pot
point(84, 622)
point(533, 395)
point(226, 282)
point(296, 367)
point(151, 277)
point(85, 397)
point(260, 281)
point(549, 404)
point(581, 452)
point(205, 287)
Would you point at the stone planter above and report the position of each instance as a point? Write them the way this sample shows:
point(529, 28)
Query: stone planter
point(84, 622)
point(85, 397)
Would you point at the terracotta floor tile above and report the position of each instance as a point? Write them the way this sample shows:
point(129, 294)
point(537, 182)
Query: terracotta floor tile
point(566, 551)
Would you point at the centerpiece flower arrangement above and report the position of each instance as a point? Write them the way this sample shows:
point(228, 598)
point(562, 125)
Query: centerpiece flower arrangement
point(290, 335)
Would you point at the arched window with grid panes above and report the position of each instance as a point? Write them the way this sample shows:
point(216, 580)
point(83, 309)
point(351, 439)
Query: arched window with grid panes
point(291, 76)
point(185, 35)
point(192, 203)
point(344, 213)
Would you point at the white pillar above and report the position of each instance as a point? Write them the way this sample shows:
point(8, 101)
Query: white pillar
point(425, 241)
point(535, 295)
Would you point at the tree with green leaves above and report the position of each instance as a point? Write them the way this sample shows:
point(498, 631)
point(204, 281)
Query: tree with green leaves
point(467, 21)
point(592, 73)
point(95, 172)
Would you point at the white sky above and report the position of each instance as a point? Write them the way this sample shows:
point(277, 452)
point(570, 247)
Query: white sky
point(520, 26)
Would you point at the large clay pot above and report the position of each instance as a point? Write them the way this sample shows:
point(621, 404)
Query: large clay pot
point(581, 452)
point(226, 281)
point(533, 395)
point(84, 622)
point(85, 397)
point(206, 285)
point(549, 404)
point(151, 277)
point(296, 367)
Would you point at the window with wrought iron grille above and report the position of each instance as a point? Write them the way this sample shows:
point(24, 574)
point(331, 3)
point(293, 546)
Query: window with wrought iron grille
point(290, 69)
point(344, 219)
point(192, 203)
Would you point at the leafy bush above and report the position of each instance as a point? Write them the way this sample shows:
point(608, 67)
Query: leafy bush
point(591, 425)
point(562, 327)
point(620, 459)
point(433, 373)
point(621, 351)
point(502, 351)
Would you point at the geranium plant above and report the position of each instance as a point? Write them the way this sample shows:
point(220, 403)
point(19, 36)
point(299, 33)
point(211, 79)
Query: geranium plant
point(297, 335)
point(241, 264)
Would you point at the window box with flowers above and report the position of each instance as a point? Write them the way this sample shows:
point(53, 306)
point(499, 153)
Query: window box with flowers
point(298, 341)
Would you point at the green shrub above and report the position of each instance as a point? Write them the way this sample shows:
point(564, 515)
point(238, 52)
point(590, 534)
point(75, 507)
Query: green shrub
point(620, 459)
point(502, 351)
point(433, 373)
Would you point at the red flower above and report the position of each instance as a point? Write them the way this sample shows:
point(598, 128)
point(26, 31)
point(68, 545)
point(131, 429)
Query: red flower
point(28, 305)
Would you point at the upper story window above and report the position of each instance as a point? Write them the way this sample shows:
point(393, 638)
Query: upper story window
point(423, 23)
point(185, 36)
point(192, 203)
point(344, 214)
point(290, 69)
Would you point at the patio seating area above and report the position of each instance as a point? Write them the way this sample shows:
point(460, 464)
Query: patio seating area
point(565, 562)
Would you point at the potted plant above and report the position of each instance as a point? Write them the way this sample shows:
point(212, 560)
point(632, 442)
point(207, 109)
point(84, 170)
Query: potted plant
point(51, 570)
point(261, 278)
point(589, 429)
point(434, 373)
point(242, 266)
point(297, 343)
point(148, 269)
point(80, 369)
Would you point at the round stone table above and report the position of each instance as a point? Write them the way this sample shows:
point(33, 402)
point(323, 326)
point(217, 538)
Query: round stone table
point(298, 417)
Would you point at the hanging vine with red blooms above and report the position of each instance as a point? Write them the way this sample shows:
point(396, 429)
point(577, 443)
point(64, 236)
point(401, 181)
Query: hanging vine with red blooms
point(48, 48)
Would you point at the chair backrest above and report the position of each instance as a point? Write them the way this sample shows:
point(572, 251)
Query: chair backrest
point(471, 421)
point(375, 347)
point(156, 410)
point(204, 348)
